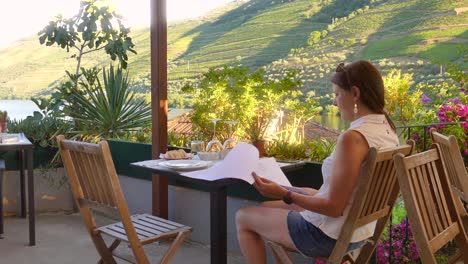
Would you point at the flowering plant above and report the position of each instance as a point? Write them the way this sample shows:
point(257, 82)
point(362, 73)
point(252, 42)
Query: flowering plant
point(398, 246)
point(455, 112)
point(446, 102)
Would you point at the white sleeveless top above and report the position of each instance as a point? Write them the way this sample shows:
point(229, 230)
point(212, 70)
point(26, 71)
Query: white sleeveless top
point(379, 135)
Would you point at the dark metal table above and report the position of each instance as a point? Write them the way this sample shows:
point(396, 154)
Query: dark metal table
point(25, 150)
point(218, 204)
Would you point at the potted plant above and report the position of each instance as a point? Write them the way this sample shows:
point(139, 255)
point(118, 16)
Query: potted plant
point(3, 121)
point(256, 128)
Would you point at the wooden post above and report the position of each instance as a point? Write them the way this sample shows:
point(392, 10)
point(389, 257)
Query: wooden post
point(159, 100)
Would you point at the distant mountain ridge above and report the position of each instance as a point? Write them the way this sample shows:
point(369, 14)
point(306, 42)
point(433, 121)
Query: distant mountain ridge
point(309, 35)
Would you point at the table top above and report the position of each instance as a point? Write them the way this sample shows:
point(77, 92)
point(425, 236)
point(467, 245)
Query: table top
point(14, 142)
point(152, 166)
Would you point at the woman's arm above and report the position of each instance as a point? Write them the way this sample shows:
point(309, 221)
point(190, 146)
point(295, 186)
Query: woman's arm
point(351, 151)
point(301, 190)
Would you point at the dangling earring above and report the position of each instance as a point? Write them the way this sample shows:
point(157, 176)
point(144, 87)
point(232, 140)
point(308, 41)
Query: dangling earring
point(355, 110)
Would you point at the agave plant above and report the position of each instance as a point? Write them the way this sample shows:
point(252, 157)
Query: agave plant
point(111, 109)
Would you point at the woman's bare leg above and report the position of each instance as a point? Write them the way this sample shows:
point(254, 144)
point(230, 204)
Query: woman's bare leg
point(257, 223)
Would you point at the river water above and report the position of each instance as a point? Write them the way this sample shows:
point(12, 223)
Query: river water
point(20, 109)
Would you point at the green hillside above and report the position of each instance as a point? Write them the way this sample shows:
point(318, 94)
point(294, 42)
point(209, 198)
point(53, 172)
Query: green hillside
point(409, 34)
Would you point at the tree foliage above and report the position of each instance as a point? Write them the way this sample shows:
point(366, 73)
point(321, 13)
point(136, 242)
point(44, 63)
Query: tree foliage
point(235, 93)
point(96, 27)
point(401, 101)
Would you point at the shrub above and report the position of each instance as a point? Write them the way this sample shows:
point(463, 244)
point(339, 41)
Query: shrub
point(41, 131)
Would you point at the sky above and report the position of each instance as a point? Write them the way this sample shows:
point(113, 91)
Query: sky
point(23, 18)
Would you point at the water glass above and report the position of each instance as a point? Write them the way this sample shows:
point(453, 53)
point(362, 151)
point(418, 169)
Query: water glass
point(197, 146)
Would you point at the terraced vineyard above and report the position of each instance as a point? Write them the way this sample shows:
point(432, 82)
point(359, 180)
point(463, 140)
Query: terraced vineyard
point(413, 35)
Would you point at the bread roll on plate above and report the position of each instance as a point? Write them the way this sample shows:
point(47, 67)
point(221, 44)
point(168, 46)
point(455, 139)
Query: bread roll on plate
point(176, 154)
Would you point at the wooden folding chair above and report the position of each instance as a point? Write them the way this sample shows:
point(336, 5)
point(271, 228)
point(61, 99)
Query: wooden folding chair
point(376, 194)
point(95, 183)
point(454, 164)
point(430, 204)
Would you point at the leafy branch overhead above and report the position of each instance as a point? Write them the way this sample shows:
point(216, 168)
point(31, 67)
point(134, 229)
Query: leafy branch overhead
point(96, 27)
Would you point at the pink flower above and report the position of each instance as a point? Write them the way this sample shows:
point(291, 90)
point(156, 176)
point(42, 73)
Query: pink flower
point(403, 248)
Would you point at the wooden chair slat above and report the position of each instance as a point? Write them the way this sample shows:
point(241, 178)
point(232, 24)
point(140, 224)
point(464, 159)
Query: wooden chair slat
point(142, 234)
point(83, 147)
point(421, 200)
point(95, 183)
point(389, 179)
point(92, 171)
point(116, 232)
point(149, 231)
point(83, 180)
point(368, 207)
point(372, 217)
point(153, 226)
point(450, 166)
point(89, 174)
point(154, 218)
point(102, 180)
point(444, 237)
point(419, 160)
point(145, 230)
point(442, 208)
point(105, 184)
point(426, 174)
point(392, 181)
point(158, 224)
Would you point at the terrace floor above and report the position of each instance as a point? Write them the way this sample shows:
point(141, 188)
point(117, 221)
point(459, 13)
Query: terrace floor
point(62, 239)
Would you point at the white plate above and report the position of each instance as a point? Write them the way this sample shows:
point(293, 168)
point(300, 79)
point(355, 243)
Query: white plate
point(185, 165)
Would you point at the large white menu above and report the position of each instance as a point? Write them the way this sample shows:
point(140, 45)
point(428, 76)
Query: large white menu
point(241, 161)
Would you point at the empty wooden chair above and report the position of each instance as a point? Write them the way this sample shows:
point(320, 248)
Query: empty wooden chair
point(95, 183)
point(377, 191)
point(430, 204)
point(453, 163)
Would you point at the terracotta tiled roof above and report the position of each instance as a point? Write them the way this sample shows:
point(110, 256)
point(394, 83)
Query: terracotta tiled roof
point(180, 125)
point(315, 130)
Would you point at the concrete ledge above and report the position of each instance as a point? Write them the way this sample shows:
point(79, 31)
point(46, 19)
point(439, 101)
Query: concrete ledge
point(52, 193)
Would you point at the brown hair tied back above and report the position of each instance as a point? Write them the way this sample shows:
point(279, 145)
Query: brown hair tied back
point(368, 79)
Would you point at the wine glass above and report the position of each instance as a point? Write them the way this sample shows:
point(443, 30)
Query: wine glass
point(230, 142)
point(214, 145)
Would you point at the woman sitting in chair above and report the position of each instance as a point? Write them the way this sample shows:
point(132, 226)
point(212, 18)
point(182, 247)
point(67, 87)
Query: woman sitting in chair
point(310, 221)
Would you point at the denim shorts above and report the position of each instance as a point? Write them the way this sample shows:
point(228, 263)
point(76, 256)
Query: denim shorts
point(309, 240)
